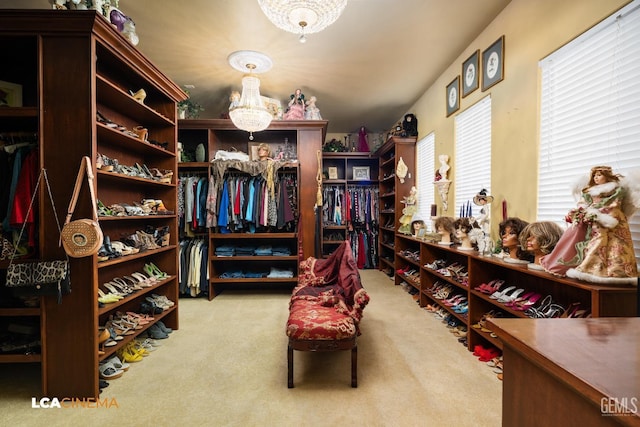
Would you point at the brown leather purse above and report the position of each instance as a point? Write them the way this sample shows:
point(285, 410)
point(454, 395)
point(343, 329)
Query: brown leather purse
point(82, 237)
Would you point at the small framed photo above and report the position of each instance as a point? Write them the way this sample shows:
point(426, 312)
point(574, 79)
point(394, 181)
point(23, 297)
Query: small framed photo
point(333, 172)
point(273, 106)
point(453, 96)
point(471, 73)
point(10, 94)
point(493, 64)
point(361, 173)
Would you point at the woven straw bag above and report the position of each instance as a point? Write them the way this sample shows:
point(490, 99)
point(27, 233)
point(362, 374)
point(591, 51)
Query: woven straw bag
point(82, 237)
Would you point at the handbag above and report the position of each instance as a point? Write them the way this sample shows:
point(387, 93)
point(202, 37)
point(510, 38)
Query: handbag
point(39, 278)
point(82, 237)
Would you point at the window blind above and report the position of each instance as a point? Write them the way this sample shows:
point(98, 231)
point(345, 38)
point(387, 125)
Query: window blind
point(424, 177)
point(472, 155)
point(590, 114)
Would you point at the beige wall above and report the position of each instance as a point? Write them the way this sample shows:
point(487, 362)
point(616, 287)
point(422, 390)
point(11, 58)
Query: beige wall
point(532, 30)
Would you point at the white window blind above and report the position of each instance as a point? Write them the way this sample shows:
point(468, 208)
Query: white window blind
point(472, 155)
point(590, 114)
point(425, 175)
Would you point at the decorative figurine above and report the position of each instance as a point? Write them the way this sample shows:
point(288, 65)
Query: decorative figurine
point(482, 199)
point(409, 125)
point(234, 100)
point(296, 106)
point(363, 141)
point(441, 181)
point(312, 112)
point(410, 208)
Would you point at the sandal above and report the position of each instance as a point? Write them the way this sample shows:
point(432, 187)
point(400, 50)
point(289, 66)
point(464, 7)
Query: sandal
point(153, 270)
point(109, 372)
point(129, 355)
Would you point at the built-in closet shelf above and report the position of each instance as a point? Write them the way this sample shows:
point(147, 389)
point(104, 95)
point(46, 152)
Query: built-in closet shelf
point(20, 358)
point(110, 94)
point(109, 351)
point(131, 180)
point(116, 138)
point(297, 140)
point(61, 111)
point(18, 112)
point(141, 218)
point(347, 183)
point(133, 257)
point(196, 165)
point(108, 308)
point(392, 190)
point(248, 280)
point(601, 301)
point(20, 312)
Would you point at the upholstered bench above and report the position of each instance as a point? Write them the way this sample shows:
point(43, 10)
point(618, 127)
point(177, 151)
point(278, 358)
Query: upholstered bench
point(326, 307)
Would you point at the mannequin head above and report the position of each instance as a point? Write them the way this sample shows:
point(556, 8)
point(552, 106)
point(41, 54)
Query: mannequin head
point(264, 151)
point(539, 238)
point(510, 230)
point(416, 226)
point(444, 227)
point(463, 227)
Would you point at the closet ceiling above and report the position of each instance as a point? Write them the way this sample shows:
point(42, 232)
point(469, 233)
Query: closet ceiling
point(366, 69)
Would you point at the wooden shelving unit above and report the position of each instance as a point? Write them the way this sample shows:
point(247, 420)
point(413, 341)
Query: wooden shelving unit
point(40, 48)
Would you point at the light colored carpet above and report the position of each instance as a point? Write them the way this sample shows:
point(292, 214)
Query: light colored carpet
point(227, 366)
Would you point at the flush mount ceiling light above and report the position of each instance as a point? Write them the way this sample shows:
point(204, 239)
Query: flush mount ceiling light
point(250, 113)
point(302, 16)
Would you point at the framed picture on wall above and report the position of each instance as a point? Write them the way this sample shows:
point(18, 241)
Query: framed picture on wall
point(453, 96)
point(471, 73)
point(10, 94)
point(333, 172)
point(493, 64)
point(361, 173)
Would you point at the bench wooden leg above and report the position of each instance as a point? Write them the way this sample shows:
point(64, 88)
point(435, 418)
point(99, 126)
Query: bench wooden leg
point(354, 366)
point(290, 366)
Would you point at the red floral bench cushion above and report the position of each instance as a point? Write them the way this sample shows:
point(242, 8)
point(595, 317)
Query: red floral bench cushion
point(328, 302)
point(309, 320)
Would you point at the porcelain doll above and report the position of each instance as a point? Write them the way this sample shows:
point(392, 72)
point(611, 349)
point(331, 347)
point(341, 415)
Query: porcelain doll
point(296, 106)
point(312, 112)
point(409, 210)
point(598, 246)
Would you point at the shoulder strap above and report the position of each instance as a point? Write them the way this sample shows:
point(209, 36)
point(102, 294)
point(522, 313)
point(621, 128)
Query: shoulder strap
point(85, 168)
point(43, 174)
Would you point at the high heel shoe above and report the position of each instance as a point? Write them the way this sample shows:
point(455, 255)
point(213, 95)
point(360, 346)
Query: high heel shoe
point(141, 132)
point(139, 96)
point(573, 307)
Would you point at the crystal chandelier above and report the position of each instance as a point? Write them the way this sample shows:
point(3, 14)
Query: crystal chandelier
point(250, 113)
point(302, 16)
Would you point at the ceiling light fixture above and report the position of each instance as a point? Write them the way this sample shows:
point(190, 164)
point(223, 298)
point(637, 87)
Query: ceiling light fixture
point(302, 16)
point(250, 113)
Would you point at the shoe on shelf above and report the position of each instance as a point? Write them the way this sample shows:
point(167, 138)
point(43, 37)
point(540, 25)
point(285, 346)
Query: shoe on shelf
point(109, 372)
point(139, 96)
